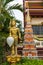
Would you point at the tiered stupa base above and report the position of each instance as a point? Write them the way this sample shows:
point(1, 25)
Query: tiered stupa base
point(29, 45)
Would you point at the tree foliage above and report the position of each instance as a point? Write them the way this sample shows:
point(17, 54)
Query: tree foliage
point(6, 13)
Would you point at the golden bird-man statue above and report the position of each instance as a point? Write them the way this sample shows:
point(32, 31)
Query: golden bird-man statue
point(15, 33)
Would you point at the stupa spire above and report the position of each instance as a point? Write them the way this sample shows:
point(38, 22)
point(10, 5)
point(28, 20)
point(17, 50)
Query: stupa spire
point(28, 16)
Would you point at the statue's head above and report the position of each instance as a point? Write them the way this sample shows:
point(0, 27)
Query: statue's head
point(13, 23)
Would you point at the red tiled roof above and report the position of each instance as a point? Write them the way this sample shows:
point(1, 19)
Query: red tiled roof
point(36, 8)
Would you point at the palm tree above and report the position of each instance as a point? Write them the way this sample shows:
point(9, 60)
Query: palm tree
point(6, 12)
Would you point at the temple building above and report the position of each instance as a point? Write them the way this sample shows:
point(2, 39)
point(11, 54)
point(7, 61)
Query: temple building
point(33, 22)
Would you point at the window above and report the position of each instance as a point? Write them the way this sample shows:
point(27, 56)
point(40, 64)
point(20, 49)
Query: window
point(37, 29)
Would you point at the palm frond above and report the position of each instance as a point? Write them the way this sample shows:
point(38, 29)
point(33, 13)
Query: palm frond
point(7, 1)
point(17, 6)
point(7, 15)
point(18, 21)
point(1, 17)
point(3, 2)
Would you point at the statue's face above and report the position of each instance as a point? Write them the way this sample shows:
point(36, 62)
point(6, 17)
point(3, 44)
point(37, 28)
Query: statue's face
point(13, 23)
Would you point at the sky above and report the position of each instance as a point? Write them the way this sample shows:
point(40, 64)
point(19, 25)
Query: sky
point(18, 14)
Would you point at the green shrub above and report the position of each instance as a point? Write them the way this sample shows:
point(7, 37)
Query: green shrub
point(3, 37)
point(5, 63)
point(26, 61)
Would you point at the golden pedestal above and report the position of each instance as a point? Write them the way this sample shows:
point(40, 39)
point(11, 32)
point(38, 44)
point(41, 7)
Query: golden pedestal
point(13, 58)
